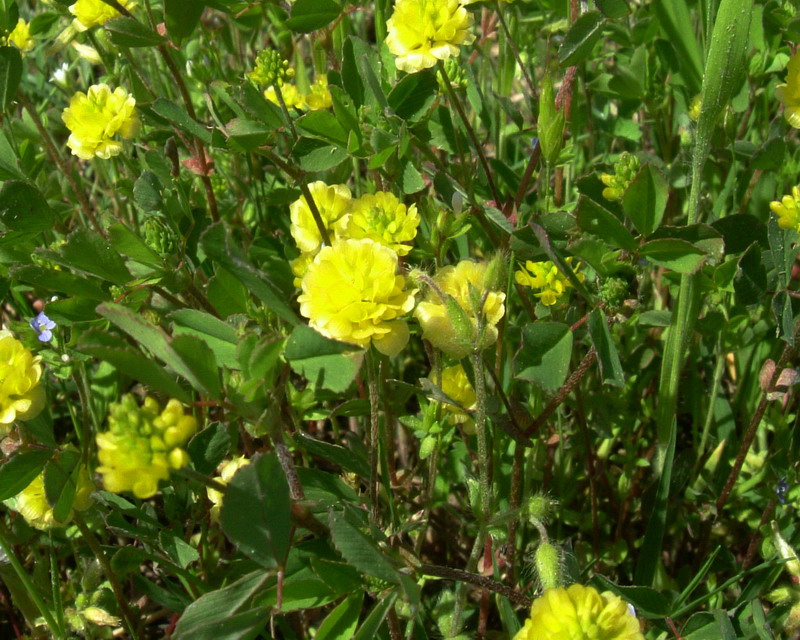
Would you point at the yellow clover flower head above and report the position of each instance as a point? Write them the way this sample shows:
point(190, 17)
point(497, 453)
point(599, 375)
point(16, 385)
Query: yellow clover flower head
point(143, 444)
point(226, 470)
point(617, 183)
point(789, 92)
point(456, 385)
point(291, 96)
point(466, 283)
point(22, 396)
point(319, 96)
point(547, 277)
point(95, 117)
point(20, 37)
point(333, 203)
point(352, 292)
point(94, 13)
point(383, 218)
point(580, 613)
point(788, 210)
point(33, 505)
point(420, 32)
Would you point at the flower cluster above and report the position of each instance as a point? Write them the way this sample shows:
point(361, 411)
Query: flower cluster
point(317, 97)
point(95, 117)
point(270, 69)
point(624, 172)
point(142, 445)
point(545, 276)
point(789, 92)
point(788, 210)
point(352, 292)
point(22, 396)
point(380, 217)
point(225, 472)
point(33, 505)
point(20, 36)
point(456, 385)
point(466, 284)
point(580, 613)
point(94, 13)
point(420, 32)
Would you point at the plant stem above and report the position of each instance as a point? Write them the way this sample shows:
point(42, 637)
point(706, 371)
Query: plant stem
point(374, 435)
point(33, 592)
point(471, 133)
point(480, 431)
point(478, 580)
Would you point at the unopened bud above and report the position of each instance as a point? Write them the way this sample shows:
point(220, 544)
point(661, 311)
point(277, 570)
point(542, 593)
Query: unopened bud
point(548, 565)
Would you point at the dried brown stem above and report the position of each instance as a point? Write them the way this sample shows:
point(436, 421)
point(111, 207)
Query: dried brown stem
point(479, 581)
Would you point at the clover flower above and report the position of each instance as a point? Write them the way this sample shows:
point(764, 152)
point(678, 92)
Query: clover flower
point(624, 172)
point(333, 203)
point(142, 445)
point(547, 277)
point(270, 69)
point(22, 396)
point(420, 32)
point(789, 92)
point(33, 505)
point(457, 386)
point(317, 97)
point(352, 292)
point(20, 37)
point(579, 613)
point(226, 471)
point(383, 218)
point(788, 210)
point(94, 13)
point(466, 283)
point(95, 117)
point(43, 326)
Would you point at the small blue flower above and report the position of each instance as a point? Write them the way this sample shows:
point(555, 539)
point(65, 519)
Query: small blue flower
point(43, 326)
point(782, 489)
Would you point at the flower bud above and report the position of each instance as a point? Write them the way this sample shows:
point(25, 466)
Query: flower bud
point(548, 565)
point(786, 552)
point(550, 123)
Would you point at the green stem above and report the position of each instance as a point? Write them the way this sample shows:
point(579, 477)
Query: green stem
point(33, 592)
point(374, 435)
point(480, 430)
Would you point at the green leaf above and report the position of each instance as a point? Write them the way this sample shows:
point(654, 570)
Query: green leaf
point(9, 165)
point(784, 317)
point(648, 602)
point(147, 191)
point(255, 513)
point(781, 246)
point(317, 155)
point(341, 623)
point(322, 361)
point(182, 17)
point(607, 356)
point(646, 199)
point(129, 32)
point(310, 15)
point(157, 342)
point(726, 630)
point(345, 458)
point(580, 38)
point(227, 613)
point(750, 282)
point(247, 135)
point(199, 359)
point(104, 346)
point(372, 624)
point(412, 181)
point(178, 117)
point(596, 219)
point(23, 208)
point(178, 550)
point(411, 98)
point(545, 354)
point(60, 482)
point(739, 230)
point(613, 8)
point(10, 75)
point(18, 472)
point(218, 248)
point(674, 18)
point(48, 280)
point(209, 447)
point(359, 549)
point(89, 252)
point(673, 253)
point(220, 337)
point(323, 124)
point(131, 245)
